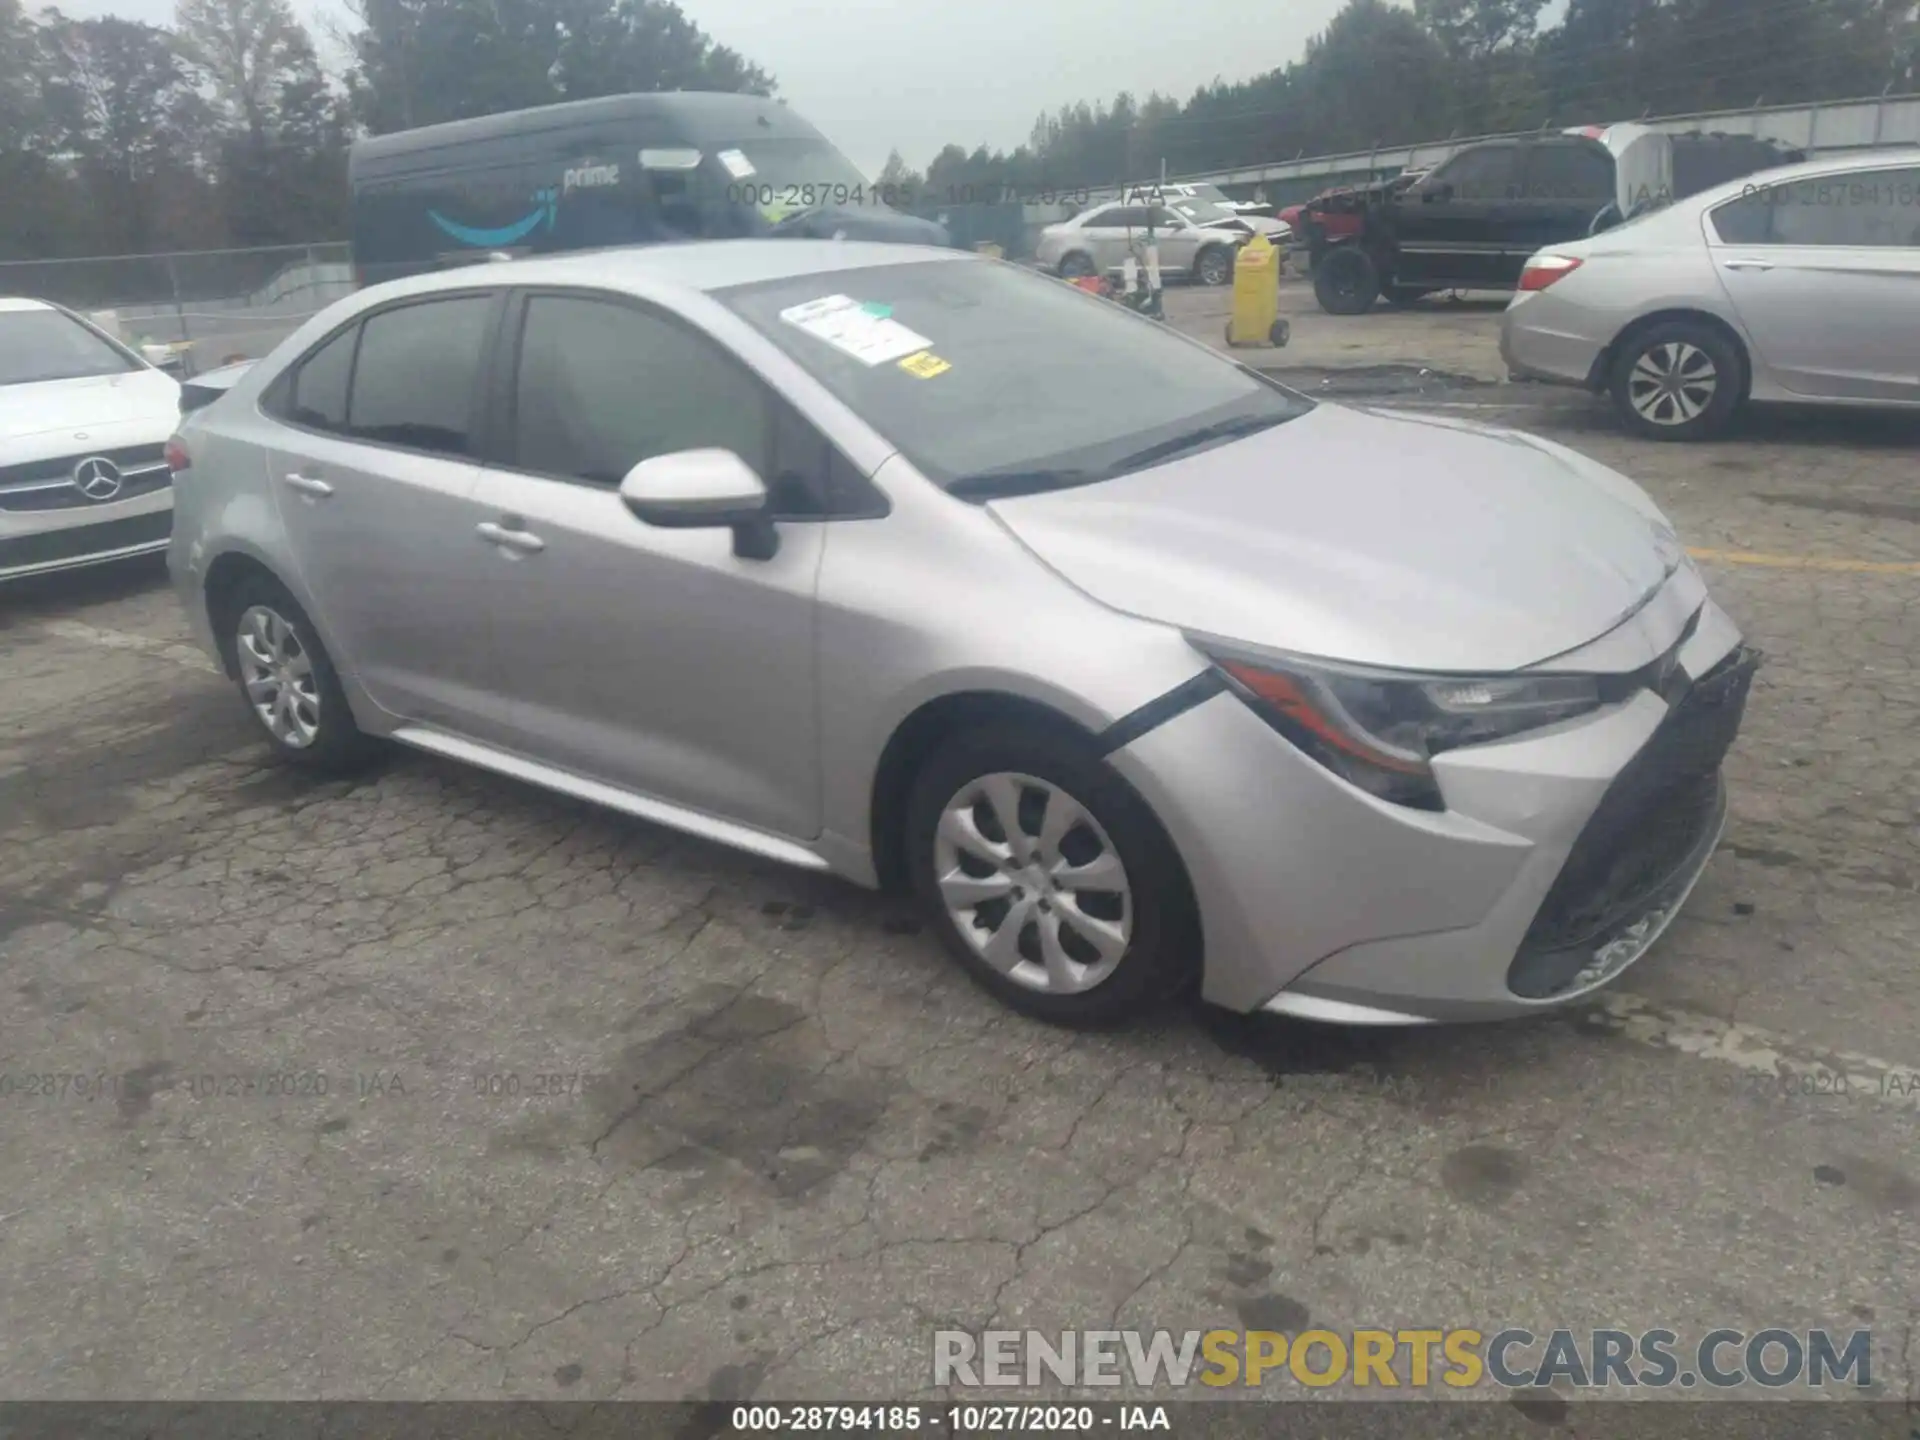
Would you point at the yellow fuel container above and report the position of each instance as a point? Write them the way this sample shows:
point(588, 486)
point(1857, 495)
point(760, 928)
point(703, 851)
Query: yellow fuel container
point(1256, 296)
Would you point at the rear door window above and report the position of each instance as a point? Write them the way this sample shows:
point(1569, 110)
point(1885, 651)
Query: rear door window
point(318, 395)
point(1871, 209)
point(1569, 171)
point(1486, 172)
point(414, 382)
point(1746, 221)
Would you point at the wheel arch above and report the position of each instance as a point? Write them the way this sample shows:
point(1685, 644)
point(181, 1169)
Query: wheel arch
point(1210, 247)
point(916, 737)
point(219, 591)
point(1601, 375)
point(921, 733)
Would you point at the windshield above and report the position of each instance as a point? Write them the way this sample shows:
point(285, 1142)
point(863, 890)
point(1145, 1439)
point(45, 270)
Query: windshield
point(777, 177)
point(1213, 195)
point(992, 380)
point(40, 345)
point(1201, 212)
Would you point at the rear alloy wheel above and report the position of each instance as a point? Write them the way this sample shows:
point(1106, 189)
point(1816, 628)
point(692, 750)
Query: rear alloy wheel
point(1214, 266)
point(289, 682)
point(277, 673)
point(1051, 881)
point(1345, 281)
point(1679, 381)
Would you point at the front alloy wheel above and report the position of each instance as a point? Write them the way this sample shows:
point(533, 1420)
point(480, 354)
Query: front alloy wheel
point(277, 674)
point(1050, 880)
point(1033, 883)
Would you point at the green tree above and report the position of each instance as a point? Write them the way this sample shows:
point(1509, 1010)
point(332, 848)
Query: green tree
point(418, 62)
point(118, 101)
point(281, 133)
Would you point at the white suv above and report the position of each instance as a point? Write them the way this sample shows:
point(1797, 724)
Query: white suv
point(83, 428)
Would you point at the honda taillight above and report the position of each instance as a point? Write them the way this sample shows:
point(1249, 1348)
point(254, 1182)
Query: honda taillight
point(1545, 270)
point(176, 455)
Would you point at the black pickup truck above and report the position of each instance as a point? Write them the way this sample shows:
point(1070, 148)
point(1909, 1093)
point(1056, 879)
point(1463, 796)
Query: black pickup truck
point(1472, 222)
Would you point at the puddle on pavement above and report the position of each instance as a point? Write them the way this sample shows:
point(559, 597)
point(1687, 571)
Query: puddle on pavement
point(1345, 382)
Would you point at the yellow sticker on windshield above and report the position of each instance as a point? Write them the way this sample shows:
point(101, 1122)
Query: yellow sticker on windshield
point(925, 364)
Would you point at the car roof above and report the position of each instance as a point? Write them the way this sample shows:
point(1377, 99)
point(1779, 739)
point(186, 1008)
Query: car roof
point(701, 265)
point(1890, 159)
point(22, 302)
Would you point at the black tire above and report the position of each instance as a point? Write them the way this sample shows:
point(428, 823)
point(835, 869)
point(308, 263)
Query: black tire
point(1213, 266)
point(1401, 296)
point(1345, 281)
point(1280, 333)
point(1678, 342)
point(1161, 958)
point(337, 746)
point(1075, 265)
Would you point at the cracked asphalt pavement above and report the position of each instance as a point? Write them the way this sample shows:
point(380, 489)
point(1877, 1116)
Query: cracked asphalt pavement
point(432, 1085)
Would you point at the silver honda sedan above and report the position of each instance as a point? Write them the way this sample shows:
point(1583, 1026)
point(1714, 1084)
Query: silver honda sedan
point(1143, 671)
point(1798, 284)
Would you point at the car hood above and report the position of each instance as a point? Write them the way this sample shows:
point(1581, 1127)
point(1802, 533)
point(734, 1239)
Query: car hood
point(91, 401)
point(1380, 539)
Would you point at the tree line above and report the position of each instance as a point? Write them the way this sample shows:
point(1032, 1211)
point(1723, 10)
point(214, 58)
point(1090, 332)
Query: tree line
point(1383, 74)
point(118, 137)
point(223, 130)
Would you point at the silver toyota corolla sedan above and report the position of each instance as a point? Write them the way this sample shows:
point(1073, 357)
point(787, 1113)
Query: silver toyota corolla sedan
point(1798, 284)
point(1144, 671)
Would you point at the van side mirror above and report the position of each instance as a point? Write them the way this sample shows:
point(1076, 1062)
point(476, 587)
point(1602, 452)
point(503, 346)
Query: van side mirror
point(704, 490)
point(1442, 192)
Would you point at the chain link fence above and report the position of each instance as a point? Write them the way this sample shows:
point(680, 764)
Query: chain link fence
point(204, 307)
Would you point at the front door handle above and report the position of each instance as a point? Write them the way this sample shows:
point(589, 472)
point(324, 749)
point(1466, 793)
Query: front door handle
point(520, 540)
point(307, 484)
point(1748, 264)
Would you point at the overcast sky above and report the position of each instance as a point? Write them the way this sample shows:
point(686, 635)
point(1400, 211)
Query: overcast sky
point(883, 74)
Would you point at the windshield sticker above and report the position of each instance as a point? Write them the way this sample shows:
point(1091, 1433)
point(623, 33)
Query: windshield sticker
point(738, 166)
point(854, 330)
point(926, 365)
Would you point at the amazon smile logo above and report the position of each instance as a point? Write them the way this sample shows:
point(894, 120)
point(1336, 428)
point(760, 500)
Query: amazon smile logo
point(546, 205)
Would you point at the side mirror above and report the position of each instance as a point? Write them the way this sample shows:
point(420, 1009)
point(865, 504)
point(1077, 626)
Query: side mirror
point(704, 490)
point(1442, 192)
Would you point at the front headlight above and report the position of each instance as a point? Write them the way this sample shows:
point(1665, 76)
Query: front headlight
point(1380, 730)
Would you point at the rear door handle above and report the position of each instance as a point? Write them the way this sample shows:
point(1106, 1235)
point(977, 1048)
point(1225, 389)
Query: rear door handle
point(307, 484)
point(1748, 264)
point(520, 540)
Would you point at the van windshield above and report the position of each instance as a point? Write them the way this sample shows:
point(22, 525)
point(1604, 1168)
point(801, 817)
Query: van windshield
point(779, 176)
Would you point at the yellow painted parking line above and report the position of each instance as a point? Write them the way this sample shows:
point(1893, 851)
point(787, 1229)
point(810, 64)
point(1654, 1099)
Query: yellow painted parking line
point(1807, 562)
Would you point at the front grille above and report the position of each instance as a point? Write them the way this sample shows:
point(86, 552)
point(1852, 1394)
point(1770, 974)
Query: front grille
point(48, 484)
point(77, 542)
point(1644, 837)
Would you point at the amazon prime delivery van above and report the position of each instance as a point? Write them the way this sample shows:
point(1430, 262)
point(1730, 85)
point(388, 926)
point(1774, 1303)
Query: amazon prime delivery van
point(620, 170)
